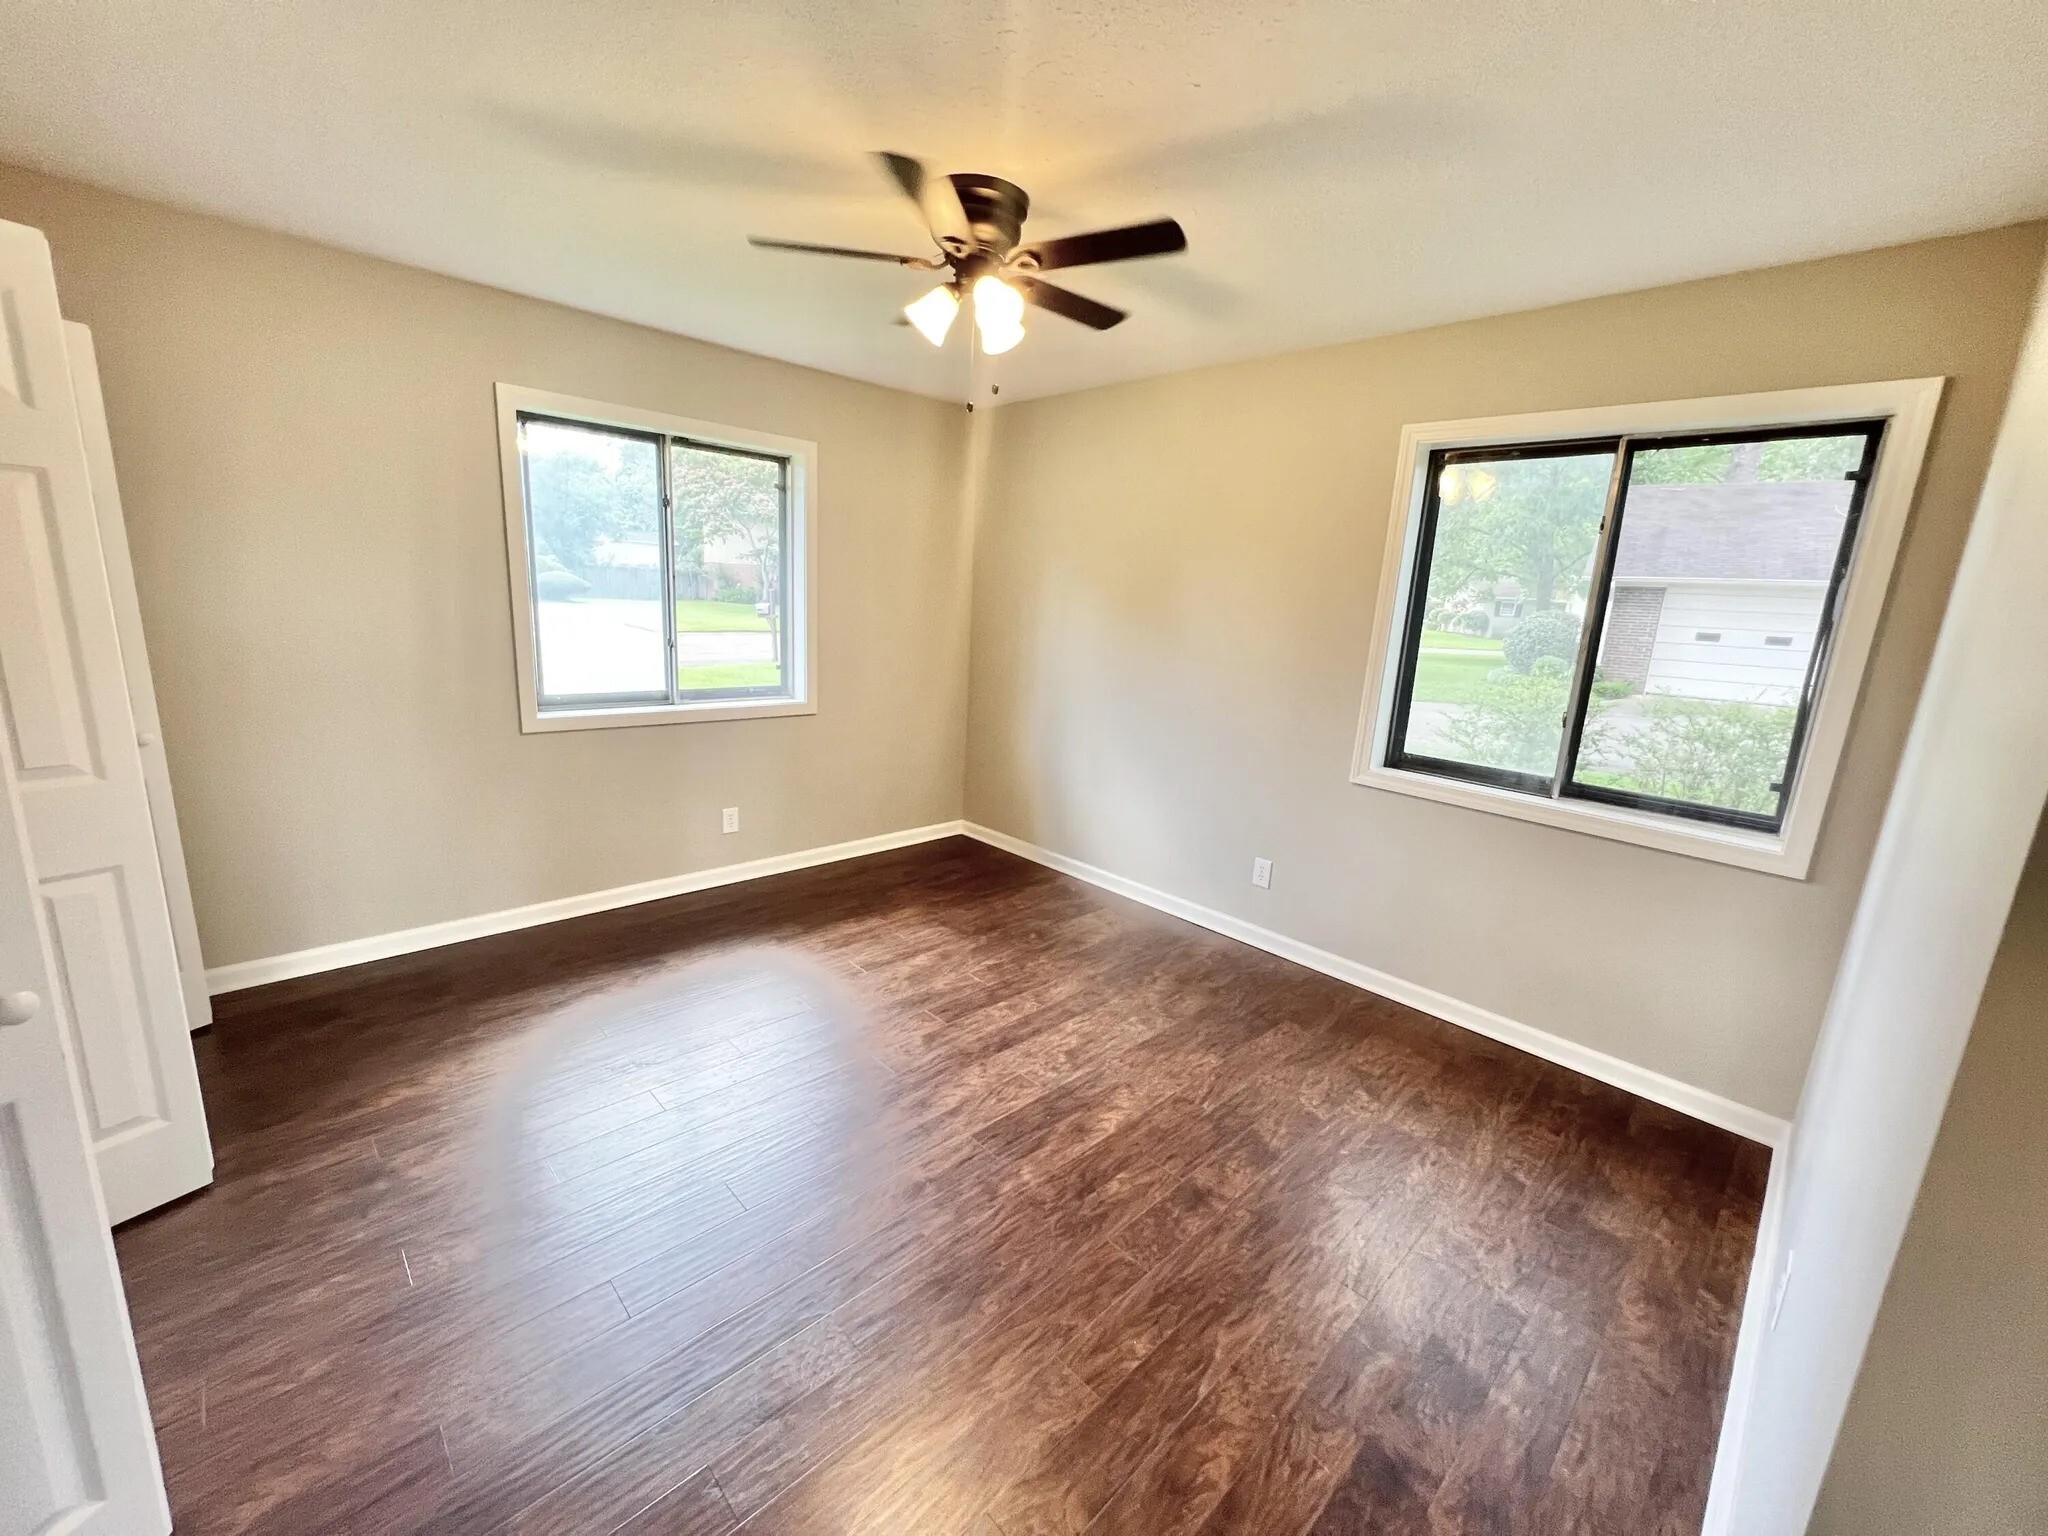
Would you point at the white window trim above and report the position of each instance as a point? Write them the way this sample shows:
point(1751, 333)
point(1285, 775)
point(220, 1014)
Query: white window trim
point(802, 698)
point(1907, 405)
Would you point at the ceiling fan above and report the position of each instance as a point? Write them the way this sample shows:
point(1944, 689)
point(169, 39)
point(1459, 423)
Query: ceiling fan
point(976, 221)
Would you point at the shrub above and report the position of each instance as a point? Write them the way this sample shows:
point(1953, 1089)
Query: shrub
point(1724, 754)
point(733, 592)
point(1612, 688)
point(556, 581)
point(1471, 622)
point(1551, 632)
point(1514, 724)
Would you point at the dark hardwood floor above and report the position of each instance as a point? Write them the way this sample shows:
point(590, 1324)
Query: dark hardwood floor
point(929, 1193)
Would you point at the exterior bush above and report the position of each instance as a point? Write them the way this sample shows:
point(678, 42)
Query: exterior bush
point(1514, 724)
point(1471, 622)
point(1549, 633)
point(1711, 754)
point(1612, 688)
point(557, 583)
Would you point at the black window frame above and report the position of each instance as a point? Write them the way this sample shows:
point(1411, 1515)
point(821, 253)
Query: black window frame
point(1561, 784)
point(1773, 822)
point(1397, 754)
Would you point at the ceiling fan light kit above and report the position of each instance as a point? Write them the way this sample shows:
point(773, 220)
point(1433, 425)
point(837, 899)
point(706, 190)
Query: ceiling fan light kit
point(977, 222)
point(998, 313)
point(933, 314)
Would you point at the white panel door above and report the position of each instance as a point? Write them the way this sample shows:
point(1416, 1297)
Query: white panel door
point(71, 747)
point(76, 1451)
point(149, 732)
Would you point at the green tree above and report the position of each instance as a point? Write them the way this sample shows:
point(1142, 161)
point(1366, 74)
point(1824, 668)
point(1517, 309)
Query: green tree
point(1533, 519)
point(1780, 459)
point(1697, 464)
point(585, 487)
point(727, 498)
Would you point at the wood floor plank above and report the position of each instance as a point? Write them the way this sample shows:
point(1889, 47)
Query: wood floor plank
point(391, 1492)
point(693, 1508)
point(927, 1192)
point(1502, 1476)
point(927, 1462)
point(1175, 1488)
point(1188, 1336)
point(680, 1449)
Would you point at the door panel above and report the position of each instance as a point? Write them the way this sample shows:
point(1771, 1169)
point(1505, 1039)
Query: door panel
point(64, 705)
point(149, 733)
point(46, 705)
point(92, 943)
point(77, 1453)
point(35, 1407)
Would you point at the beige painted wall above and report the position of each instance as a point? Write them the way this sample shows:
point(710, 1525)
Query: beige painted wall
point(1172, 589)
point(307, 450)
point(1948, 1428)
point(1174, 585)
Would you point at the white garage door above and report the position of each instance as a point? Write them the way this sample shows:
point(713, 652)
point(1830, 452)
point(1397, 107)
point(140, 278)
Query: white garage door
point(1747, 640)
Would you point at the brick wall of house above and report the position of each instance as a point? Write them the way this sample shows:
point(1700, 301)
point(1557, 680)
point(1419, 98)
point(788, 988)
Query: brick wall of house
point(1631, 633)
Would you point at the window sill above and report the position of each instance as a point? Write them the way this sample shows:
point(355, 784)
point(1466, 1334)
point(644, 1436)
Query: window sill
point(537, 721)
point(1771, 854)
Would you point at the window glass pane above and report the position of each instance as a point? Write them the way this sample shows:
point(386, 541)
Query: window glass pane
point(1509, 563)
point(1722, 571)
point(731, 620)
point(593, 505)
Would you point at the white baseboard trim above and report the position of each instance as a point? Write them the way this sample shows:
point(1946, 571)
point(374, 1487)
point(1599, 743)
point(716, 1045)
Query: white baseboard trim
point(1757, 1303)
point(1641, 1081)
point(1655, 1086)
point(381, 946)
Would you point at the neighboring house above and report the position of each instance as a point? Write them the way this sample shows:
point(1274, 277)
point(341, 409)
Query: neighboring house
point(1505, 603)
point(1503, 606)
point(1718, 589)
point(730, 562)
point(631, 567)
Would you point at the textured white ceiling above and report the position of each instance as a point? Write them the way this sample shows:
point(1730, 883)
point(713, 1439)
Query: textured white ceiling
point(1343, 167)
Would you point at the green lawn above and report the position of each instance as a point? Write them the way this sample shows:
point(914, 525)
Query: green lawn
point(731, 674)
point(697, 616)
point(1453, 679)
point(1450, 640)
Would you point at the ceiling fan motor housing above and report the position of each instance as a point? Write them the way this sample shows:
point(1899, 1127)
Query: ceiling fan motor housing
point(995, 210)
point(982, 242)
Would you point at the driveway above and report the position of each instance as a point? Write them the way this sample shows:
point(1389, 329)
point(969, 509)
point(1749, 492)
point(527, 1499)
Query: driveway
point(601, 645)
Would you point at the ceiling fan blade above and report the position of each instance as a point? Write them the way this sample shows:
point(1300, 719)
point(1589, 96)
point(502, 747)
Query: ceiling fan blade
point(906, 172)
point(935, 196)
point(834, 250)
point(1161, 237)
point(1062, 301)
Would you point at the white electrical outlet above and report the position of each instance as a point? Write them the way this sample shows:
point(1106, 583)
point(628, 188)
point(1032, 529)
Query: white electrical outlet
point(1262, 874)
point(731, 823)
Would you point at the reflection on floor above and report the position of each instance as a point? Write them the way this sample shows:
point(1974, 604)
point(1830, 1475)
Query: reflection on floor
point(929, 1193)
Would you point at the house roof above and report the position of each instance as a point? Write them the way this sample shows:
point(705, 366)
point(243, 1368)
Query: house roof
point(1733, 531)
